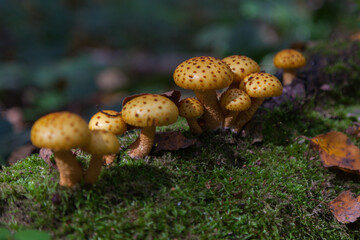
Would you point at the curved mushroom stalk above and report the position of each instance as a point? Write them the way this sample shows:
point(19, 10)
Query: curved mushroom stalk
point(143, 144)
point(94, 169)
point(230, 119)
point(194, 126)
point(213, 114)
point(70, 169)
point(288, 76)
point(245, 116)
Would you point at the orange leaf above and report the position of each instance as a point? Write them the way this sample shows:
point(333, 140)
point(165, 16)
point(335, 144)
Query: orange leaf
point(345, 207)
point(336, 150)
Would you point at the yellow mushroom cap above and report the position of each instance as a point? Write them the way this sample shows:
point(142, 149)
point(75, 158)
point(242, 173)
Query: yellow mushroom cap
point(60, 131)
point(235, 100)
point(289, 58)
point(191, 108)
point(203, 73)
point(241, 66)
point(262, 85)
point(114, 124)
point(148, 110)
point(102, 143)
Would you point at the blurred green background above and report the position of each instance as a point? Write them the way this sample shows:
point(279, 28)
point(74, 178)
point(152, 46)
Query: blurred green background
point(74, 54)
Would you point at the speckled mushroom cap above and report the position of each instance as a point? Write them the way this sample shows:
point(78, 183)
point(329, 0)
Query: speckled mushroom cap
point(60, 131)
point(289, 58)
point(102, 143)
point(203, 73)
point(262, 85)
point(148, 110)
point(241, 66)
point(235, 100)
point(191, 108)
point(112, 123)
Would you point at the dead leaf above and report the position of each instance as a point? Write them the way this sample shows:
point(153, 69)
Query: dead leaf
point(345, 207)
point(354, 130)
point(173, 95)
point(336, 150)
point(20, 153)
point(45, 154)
point(172, 141)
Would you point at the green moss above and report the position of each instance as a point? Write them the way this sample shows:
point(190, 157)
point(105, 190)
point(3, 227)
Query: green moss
point(224, 187)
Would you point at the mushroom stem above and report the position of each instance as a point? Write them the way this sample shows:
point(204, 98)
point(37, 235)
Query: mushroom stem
point(230, 118)
point(288, 76)
point(143, 144)
point(245, 116)
point(213, 115)
point(94, 169)
point(194, 126)
point(69, 168)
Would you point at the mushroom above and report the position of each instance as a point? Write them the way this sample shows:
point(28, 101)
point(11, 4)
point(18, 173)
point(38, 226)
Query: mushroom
point(205, 75)
point(258, 86)
point(233, 101)
point(241, 66)
point(101, 143)
point(148, 111)
point(191, 109)
point(289, 60)
point(62, 131)
point(110, 121)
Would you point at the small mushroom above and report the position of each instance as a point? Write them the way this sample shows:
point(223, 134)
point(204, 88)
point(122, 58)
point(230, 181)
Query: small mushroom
point(234, 100)
point(101, 143)
point(204, 75)
point(148, 111)
point(241, 66)
point(62, 131)
point(289, 60)
point(191, 109)
point(110, 121)
point(258, 86)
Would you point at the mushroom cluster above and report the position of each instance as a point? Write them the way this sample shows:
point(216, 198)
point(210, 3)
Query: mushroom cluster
point(244, 88)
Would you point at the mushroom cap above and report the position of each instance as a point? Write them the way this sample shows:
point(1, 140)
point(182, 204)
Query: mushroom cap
point(262, 85)
point(203, 73)
point(241, 66)
point(102, 143)
point(191, 108)
point(148, 110)
point(114, 124)
point(235, 100)
point(60, 131)
point(289, 58)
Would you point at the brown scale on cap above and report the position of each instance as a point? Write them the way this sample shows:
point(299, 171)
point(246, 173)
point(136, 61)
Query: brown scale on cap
point(62, 131)
point(108, 120)
point(241, 66)
point(147, 112)
point(263, 85)
point(191, 109)
point(258, 86)
point(101, 143)
point(234, 100)
point(289, 60)
point(205, 75)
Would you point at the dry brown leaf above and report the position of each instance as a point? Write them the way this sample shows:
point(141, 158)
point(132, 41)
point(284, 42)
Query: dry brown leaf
point(172, 141)
point(45, 154)
point(173, 95)
point(354, 130)
point(345, 207)
point(20, 153)
point(336, 150)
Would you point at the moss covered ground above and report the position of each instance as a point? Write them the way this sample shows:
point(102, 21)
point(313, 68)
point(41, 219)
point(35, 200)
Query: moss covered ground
point(224, 187)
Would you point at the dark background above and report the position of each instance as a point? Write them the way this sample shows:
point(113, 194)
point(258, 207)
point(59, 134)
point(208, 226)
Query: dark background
point(74, 54)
